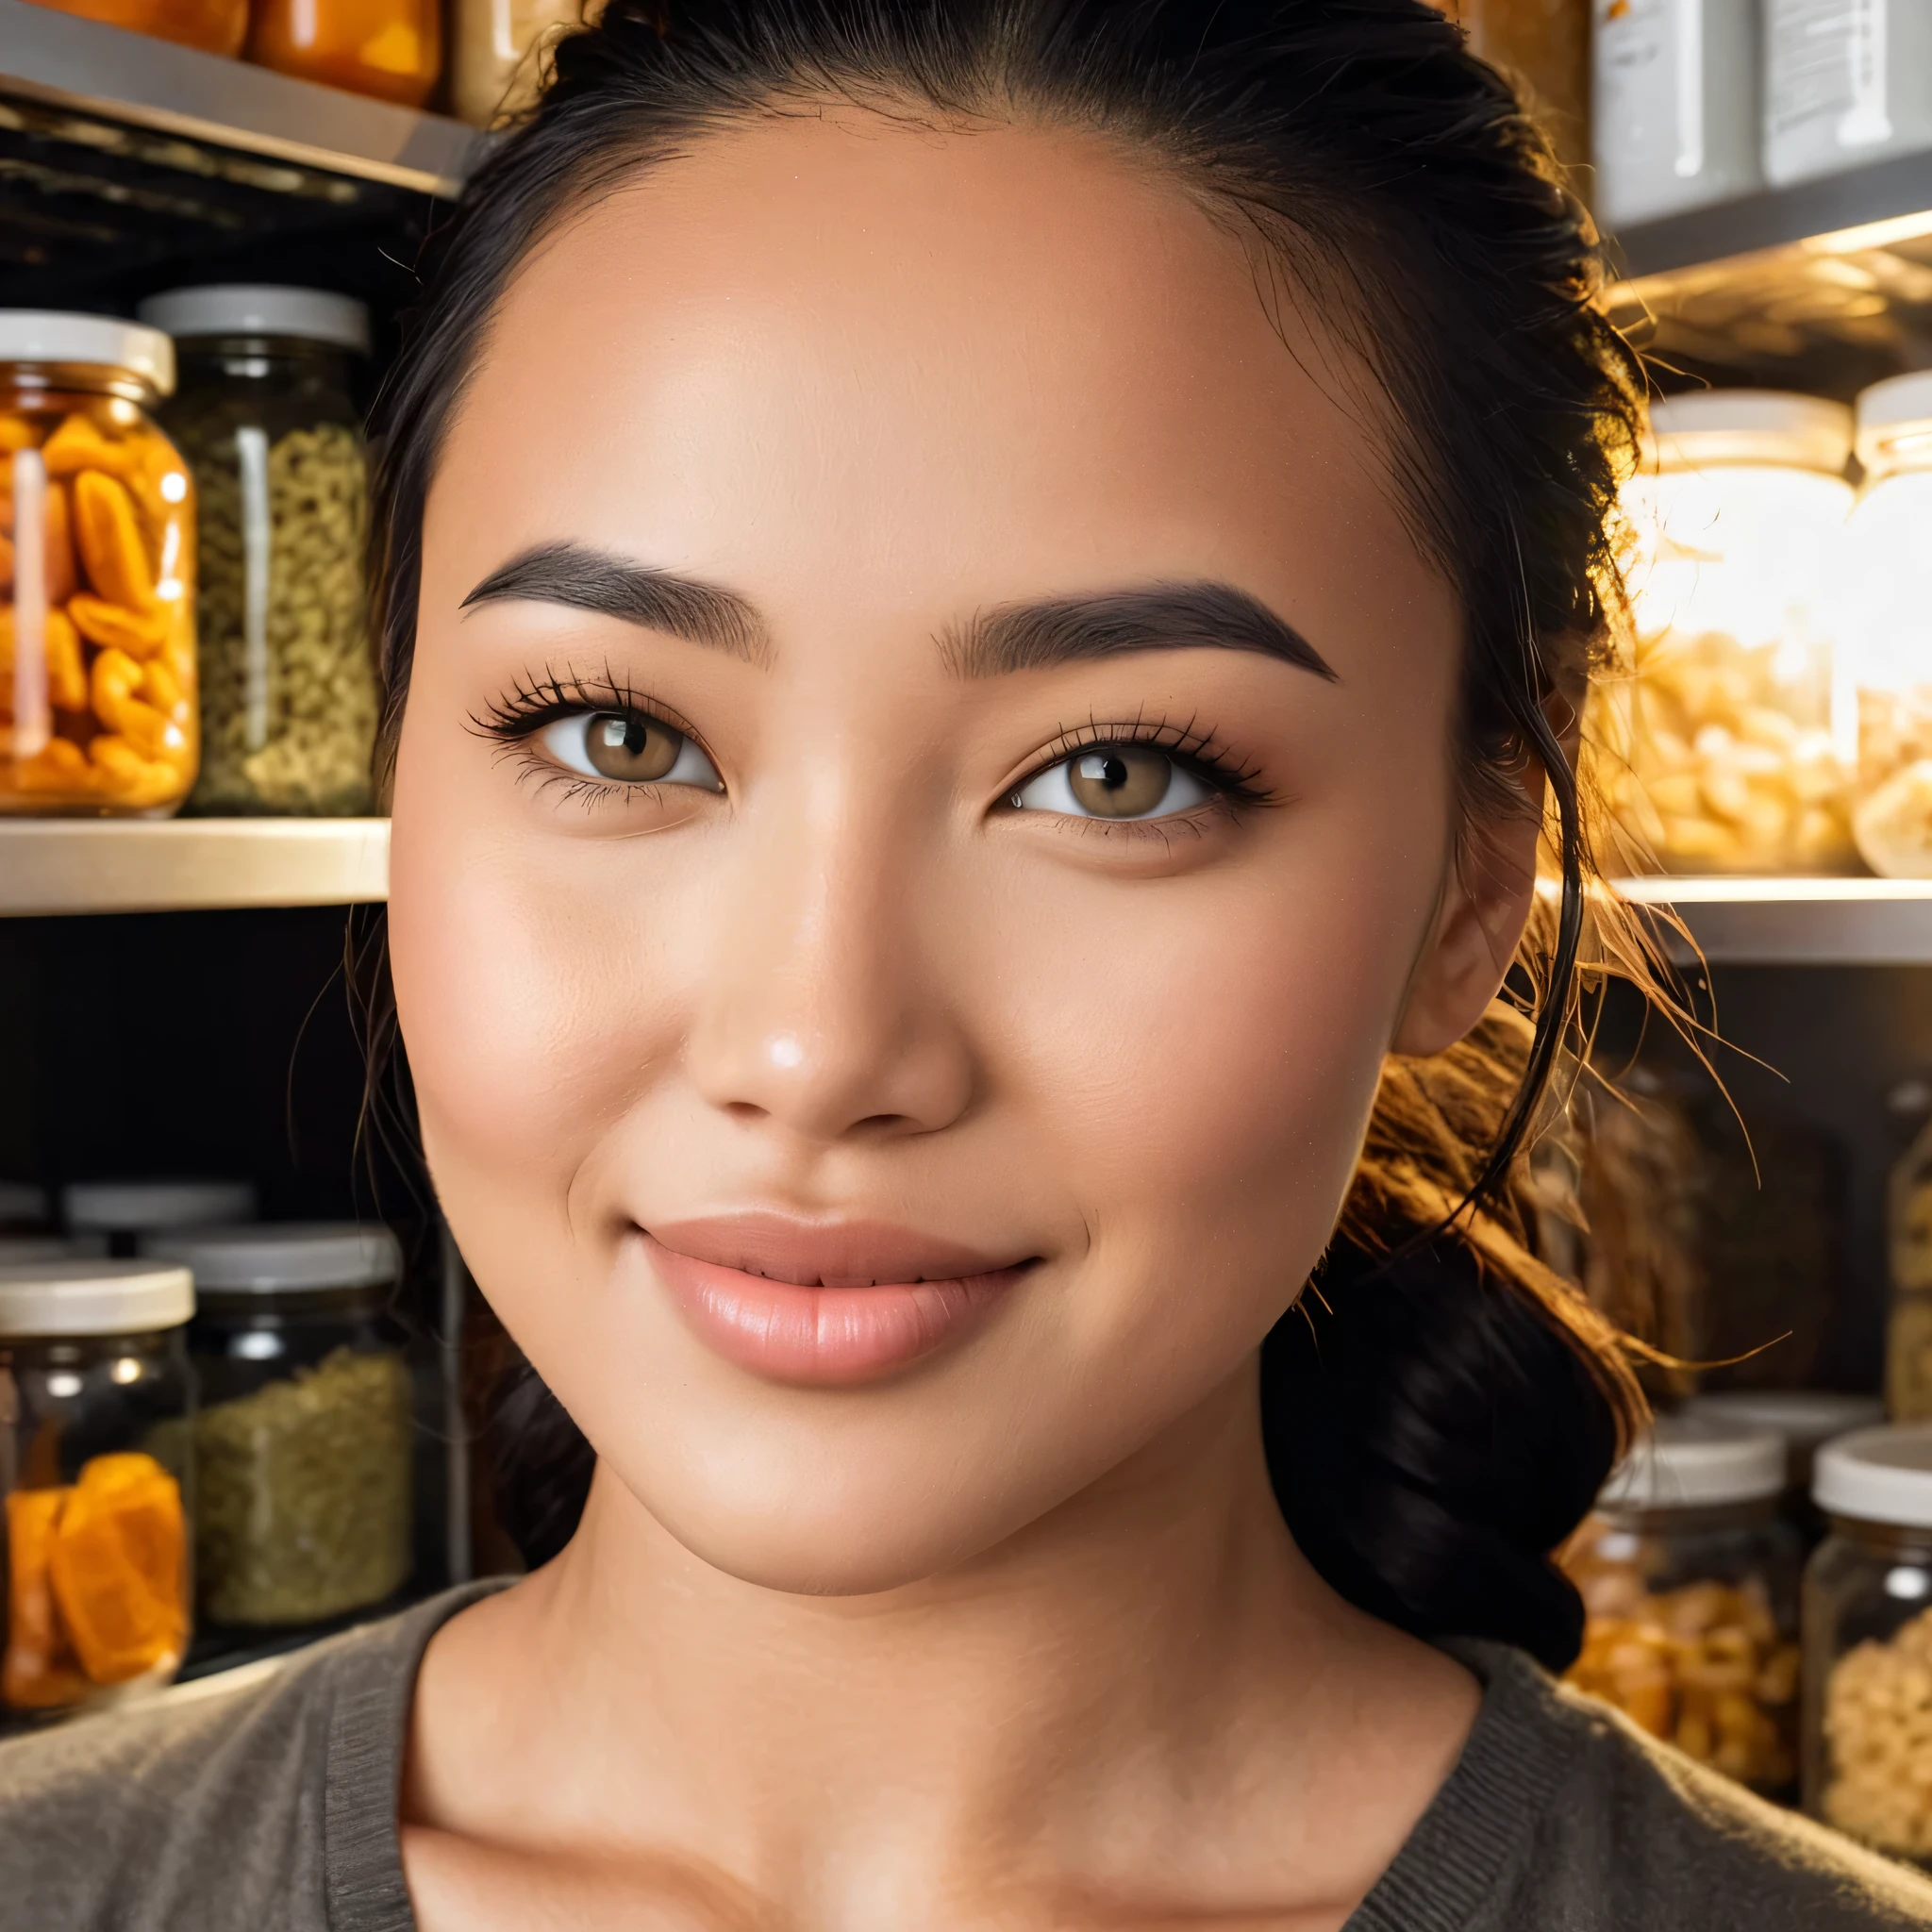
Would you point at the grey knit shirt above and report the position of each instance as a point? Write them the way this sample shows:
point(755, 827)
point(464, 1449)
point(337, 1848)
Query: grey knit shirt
point(273, 1809)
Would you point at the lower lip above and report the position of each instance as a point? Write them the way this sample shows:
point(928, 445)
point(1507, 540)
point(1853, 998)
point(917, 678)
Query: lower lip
point(826, 1335)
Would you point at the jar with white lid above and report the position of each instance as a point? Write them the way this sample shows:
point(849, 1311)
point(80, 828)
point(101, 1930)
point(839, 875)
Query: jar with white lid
point(96, 1398)
point(1729, 747)
point(1807, 1419)
point(97, 668)
point(305, 1437)
point(1689, 1576)
point(1883, 618)
point(1674, 111)
point(1868, 1642)
point(121, 1212)
point(23, 1207)
point(265, 413)
point(1845, 84)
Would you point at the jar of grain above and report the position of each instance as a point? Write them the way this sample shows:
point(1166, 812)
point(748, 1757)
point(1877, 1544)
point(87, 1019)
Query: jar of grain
point(1868, 1642)
point(1689, 1577)
point(265, 417)
point(304, 1439)
point(95, 1396)
point(1730, 744)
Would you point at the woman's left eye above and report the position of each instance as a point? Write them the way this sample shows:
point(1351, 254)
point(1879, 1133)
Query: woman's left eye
point(1114, 781)
point(630, 748)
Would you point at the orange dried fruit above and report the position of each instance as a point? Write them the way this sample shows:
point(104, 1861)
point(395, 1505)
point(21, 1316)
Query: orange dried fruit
point(110, 541)
point(38, 1670)
point(119, 1567)
point(138, 633)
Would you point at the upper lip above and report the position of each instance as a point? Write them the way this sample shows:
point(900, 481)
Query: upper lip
point(826, 1254)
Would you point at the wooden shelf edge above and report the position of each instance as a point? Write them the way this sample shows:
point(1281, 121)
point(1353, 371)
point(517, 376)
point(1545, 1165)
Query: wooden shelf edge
point(63, 866)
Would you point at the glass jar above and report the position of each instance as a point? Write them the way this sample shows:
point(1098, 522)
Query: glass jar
point(265, 417)
point(119, 1214)
point(1883, 617)
point(1730, 746)
point(497, 56)
point(1868, 1642)
point(95, 1397)
point(97, 711)
point(390, 48)
point(1806, 1418)
point(216, 26)
point(302, 1442)
point(1689, 1577)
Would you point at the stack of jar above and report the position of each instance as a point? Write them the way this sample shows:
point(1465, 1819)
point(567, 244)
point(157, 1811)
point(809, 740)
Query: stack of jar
point(242, 1446)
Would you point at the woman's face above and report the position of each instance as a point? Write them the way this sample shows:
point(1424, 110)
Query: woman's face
point(905, 875)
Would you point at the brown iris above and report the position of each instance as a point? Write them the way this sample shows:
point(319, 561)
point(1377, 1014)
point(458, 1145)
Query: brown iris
point(1121, 781)
point(633, 748)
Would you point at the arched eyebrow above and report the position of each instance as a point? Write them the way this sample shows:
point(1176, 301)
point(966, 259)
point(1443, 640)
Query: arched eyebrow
point(587, 579)
point(1155, 617)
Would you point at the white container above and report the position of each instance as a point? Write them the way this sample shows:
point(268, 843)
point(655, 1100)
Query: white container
point(124, 1211)
point(1883, 620)
point(1845, 82)
point(1673, 107)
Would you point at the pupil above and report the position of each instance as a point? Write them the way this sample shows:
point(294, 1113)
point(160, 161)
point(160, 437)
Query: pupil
point(1106, 769)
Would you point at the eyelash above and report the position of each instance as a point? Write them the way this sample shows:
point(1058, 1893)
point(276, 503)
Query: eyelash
point(528, 707)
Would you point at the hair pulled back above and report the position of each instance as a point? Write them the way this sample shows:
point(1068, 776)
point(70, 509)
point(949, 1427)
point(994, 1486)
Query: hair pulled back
point(1440, 1408)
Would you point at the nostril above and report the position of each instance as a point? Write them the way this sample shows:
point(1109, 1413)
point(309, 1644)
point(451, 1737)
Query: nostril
point(746, 1111)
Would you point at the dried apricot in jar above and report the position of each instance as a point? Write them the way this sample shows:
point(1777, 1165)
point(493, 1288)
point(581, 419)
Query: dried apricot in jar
point(119, 1567)
point(39, 1671)
point(108, 537)
point(139, 633)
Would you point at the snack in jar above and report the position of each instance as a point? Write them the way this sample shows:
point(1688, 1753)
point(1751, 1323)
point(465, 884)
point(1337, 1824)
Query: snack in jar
point(264, 414)
point(1689, 1577)
point(1730, 740)
point(118, 1214)
point(91, 1461)
point(304, 1440)
point(1868, 1642)
point(1884, 621)
point(97, 702)
point(216, 26)
point(497, 56)
point(390, 48)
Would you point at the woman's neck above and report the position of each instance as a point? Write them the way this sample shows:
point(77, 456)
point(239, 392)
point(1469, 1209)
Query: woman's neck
point(1148, 1690)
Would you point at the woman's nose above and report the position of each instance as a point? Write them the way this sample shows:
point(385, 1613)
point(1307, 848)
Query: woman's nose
point(825, 1010)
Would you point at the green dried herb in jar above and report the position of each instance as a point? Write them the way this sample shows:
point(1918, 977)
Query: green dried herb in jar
point(303, 1446)
point(264, 416)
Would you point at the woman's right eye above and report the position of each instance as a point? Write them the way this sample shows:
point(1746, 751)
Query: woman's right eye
point(628, 748)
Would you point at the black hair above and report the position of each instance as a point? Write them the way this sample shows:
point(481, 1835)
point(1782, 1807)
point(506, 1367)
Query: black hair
point(1442, 1409)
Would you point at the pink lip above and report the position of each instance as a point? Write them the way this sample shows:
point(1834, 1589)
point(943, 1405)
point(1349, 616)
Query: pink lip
point(825, 1303)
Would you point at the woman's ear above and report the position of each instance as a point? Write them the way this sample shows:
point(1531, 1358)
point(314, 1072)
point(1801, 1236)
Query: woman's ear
point(1486, 901)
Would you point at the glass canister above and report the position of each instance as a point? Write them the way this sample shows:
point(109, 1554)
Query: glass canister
point(97, 711)
point(1868, 1642)
point(390, 48)
point(265, 415)
point(302, 1442)
point(95, 1400)
point(1689, 1577)
point(1807, 1419)
point(1883, 617)
point(120, 1213)
point(1731, 741)
point(216, 26)
point(497, 55)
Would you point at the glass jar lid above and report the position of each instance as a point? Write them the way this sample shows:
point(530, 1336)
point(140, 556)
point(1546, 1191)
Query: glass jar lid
point(1688, 1462)
point(251, 308)
point(281, 1258)
point(49, 336)
point(1895, 424)
point(92, 1297)
point(1804, 1417)
point(134, 1207)
point(1751, 425)
point(1879, 1476)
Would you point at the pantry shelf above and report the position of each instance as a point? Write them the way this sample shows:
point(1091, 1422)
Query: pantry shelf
point(1796, 921)
point(61, 61)
point(109, 865)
